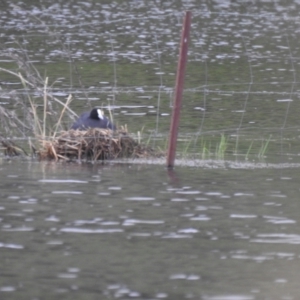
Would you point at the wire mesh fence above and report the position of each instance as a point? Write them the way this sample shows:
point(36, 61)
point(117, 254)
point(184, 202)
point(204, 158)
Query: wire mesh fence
point(241, 88)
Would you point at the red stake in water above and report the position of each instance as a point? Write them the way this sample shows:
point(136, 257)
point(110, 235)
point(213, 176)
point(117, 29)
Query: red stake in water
point(178, 90)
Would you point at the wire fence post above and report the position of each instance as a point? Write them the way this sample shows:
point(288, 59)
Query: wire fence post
point(178, 90)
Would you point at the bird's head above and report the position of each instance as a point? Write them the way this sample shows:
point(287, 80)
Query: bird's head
point(100, 113)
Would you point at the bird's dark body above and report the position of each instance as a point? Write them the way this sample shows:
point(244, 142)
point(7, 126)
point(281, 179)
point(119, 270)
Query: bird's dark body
point(91, 120)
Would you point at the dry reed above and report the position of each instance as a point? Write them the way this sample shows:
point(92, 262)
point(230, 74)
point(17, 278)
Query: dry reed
point(11, 149)
point(45, 117)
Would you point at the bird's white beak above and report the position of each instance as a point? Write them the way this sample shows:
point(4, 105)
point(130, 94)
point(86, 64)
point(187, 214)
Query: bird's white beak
point(100, 114)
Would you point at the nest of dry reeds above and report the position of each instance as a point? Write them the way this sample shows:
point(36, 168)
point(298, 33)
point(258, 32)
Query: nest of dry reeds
point(93, 144)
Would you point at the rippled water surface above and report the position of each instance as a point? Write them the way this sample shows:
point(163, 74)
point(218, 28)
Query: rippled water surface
point(242, 73)
point(213, 229)
point(142, 232)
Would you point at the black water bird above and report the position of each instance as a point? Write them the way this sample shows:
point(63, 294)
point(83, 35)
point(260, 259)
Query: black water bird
point(93, 119)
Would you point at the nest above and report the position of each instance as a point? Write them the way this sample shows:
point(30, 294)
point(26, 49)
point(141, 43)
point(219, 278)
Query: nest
point(93, 144)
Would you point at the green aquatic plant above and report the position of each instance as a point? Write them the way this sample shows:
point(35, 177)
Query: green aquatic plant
point(221, 147)
point(263, 148)
point(205, 153)
point(248, 151)
point(209, 147)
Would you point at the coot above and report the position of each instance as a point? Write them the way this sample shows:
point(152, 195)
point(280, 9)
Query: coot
point(93, 119)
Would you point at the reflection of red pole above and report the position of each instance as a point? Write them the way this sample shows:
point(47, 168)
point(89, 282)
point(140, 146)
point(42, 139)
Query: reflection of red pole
point(178, 90)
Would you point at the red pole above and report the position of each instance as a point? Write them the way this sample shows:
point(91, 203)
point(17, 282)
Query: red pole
point(178, 90)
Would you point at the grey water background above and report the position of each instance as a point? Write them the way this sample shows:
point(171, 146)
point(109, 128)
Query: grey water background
point(211, 229)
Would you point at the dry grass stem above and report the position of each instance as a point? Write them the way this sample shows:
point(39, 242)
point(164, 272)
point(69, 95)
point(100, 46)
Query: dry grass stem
point(93, 144)
point(11, 149)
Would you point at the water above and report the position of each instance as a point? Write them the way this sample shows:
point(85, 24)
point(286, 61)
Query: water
point(212, 229)
point(116, 231)
point(241, 76)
